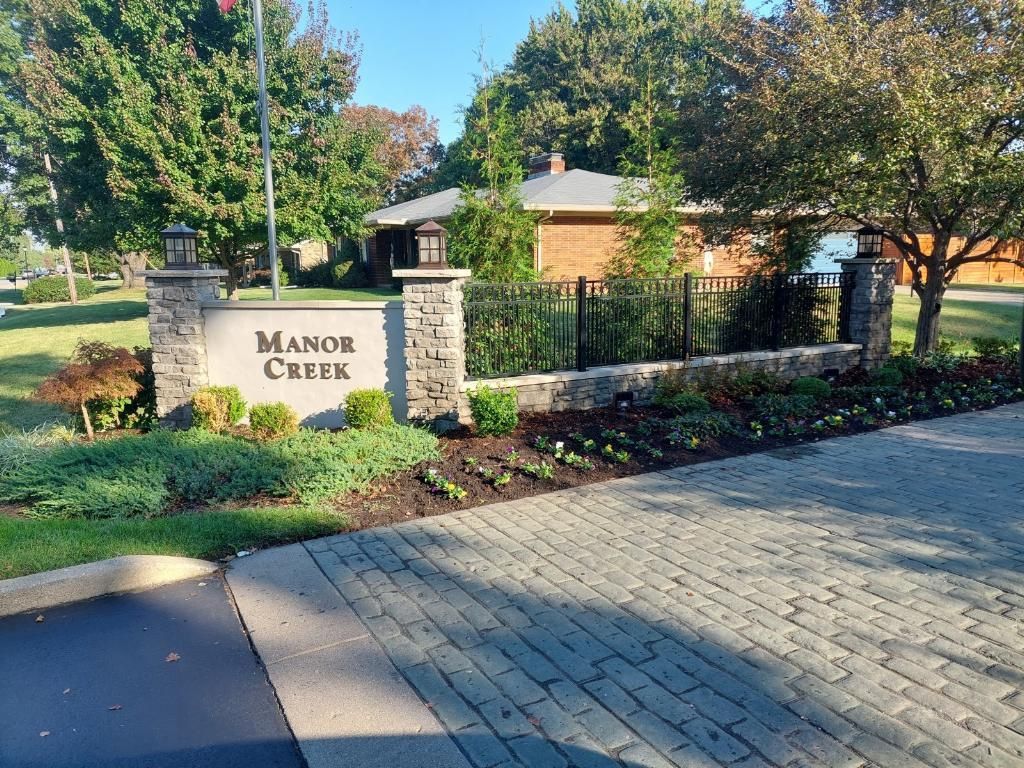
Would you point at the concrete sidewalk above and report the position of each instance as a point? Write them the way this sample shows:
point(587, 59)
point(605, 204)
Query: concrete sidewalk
point(854, 602)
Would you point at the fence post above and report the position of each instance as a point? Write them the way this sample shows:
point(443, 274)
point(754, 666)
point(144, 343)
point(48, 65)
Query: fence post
point(581, 323)
point(778, 309)
point(687, 316)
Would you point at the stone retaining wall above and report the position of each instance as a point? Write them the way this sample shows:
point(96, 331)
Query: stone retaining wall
point(597, 387)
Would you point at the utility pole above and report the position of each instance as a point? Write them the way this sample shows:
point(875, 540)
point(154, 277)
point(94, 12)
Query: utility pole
point(68, 268)
point(268, 173)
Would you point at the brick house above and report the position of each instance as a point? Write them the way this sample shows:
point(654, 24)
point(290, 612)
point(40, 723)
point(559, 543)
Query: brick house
point(576, 233)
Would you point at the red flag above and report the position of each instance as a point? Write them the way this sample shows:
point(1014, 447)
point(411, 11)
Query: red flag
point(226, 5)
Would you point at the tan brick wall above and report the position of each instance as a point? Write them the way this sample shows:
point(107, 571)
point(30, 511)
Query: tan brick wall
point(583, 245)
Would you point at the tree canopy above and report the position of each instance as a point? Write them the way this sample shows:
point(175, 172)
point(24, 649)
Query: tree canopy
point(904, 116)
point(150, 116)
point(575, 78)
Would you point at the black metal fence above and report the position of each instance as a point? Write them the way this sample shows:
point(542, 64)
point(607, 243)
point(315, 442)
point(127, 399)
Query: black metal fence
point(517, 328)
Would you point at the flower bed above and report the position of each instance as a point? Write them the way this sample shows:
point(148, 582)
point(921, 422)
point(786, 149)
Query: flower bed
point(561, 450)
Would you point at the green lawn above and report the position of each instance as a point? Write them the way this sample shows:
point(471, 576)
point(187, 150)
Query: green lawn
point(989, 287)
point(36, 339)
point(30, 546)
point(322, 294)
point(960, 321)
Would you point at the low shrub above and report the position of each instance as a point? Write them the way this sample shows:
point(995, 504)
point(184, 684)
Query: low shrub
point(350, 274)
point(272, 421)
point(217, 409)
point(164, 471)
point(96, 371)
point(887, 376)
point(905, 363)
point(135, 412)
point(784, 406)
point(264, 278)
point(812, 386)
point(368, 409)
point(495, 413)
point(318, 276)
point(683, 402)
point(55, 288)
point(943, 361)
point(722, 385)
point(19, 448)
point(995, 348)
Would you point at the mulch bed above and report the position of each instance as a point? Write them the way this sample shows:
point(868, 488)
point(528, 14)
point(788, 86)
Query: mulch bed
point(407, 496)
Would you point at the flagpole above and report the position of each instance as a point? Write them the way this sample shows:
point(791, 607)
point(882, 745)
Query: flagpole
point(268, 173)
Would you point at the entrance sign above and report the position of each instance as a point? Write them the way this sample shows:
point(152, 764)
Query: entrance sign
point(309, 354)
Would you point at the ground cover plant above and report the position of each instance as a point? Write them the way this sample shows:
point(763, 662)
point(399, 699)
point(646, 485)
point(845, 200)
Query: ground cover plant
point(166, 472)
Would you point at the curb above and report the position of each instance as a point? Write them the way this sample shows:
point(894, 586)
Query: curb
point(84, 582)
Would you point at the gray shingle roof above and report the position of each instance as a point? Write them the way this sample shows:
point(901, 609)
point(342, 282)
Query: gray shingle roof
point(574, 190)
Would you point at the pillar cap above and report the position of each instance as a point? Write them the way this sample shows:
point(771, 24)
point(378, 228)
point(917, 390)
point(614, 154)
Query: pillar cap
point(445, 274)
point(176, 273)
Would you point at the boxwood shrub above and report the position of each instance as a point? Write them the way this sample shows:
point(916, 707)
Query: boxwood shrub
point(272, 421)
point(494, 412)
point(368, 409)
point(811, 386)
point(217, 408)
point(54, 288)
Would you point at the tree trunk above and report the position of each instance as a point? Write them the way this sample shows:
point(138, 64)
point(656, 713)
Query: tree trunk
point(926, 335)
point(88, 424)
point(88, 269)
point(131, 264)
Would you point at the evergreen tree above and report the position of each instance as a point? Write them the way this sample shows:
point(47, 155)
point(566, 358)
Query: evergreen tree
point(489, 232)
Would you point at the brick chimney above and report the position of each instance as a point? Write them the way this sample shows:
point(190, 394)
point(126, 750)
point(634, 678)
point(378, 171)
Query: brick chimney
point(547, 164)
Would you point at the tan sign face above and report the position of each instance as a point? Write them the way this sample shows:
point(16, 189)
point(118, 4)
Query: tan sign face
point(308, 355)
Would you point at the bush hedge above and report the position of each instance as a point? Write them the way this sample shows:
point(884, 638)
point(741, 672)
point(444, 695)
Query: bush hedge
point(164, 472)
point(811, 386)
point(368, 409)
point(217, 408)
point(272, 421)
point(495, 413)
point(54, 288)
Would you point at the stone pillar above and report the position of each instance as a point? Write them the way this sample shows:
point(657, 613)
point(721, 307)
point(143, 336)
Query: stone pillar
point(177, 337)
point(871, 307)
point(435, 356)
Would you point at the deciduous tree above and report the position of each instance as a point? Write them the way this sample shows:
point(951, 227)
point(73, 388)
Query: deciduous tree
point(905, 116)
point(150, 114)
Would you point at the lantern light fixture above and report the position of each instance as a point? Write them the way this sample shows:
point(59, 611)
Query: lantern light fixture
point(432, 245)
point(869, 243)
point(179, 243)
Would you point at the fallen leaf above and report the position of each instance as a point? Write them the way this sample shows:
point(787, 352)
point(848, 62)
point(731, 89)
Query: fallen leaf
point(40, 619)
point(172, 656)
point(44, 734)
point(535, 721)
point(114, 708)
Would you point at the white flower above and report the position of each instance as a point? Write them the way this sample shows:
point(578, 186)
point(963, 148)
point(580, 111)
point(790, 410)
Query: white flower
point(559, 445)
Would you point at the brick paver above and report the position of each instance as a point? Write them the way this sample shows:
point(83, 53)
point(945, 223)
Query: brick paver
point(849, 603)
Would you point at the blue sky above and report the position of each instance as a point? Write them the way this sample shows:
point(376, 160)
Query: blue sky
point(425, 53)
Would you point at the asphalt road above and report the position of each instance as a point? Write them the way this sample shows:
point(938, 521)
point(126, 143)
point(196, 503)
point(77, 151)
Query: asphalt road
point(158, 679)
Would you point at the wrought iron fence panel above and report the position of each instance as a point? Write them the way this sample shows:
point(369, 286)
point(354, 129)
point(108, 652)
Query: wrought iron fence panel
point(517, 328)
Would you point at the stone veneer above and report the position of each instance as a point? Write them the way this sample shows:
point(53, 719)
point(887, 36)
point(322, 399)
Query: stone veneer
point(178, 339)
point(871, 308)
point(597, 387)
point(434, 351)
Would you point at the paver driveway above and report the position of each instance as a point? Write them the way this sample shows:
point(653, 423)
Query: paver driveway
point(854, 602)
